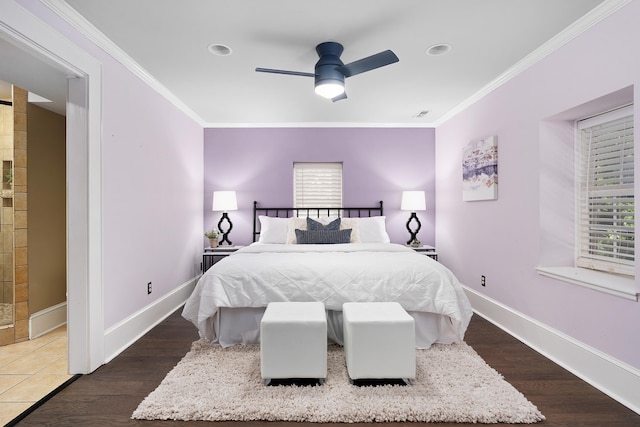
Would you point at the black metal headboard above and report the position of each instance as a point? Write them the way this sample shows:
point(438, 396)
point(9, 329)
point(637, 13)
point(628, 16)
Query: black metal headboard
point(313, 212)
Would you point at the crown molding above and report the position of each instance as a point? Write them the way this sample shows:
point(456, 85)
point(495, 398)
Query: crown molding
point(77, 21)
point(321, 125)
point(597, 14)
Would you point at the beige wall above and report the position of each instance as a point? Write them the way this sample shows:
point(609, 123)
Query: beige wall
point(46, 218)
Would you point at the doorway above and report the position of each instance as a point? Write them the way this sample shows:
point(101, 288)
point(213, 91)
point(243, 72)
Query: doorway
point(28, 42)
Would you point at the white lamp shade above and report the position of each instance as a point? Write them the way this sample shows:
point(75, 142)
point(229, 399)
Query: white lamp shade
point(224, 201)
point(413, 201)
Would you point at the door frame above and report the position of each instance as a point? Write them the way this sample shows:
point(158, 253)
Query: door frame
point(85, 317)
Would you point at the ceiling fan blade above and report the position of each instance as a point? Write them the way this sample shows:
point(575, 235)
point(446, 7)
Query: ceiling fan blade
point(369, 63)
point(290, 73)
point(339, 97)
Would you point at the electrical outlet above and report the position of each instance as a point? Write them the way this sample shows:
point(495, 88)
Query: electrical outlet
point(483, 281)
point(149, 288)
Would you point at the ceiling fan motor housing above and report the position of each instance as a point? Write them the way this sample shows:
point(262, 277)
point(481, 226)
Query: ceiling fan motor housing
point(326, 68)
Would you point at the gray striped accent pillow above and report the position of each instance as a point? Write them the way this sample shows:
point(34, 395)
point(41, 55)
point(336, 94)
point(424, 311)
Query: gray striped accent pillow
point(315, 225)
point(321, 237)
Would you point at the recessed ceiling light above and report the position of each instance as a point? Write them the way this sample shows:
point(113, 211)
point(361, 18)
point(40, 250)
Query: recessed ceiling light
point(219, 49)
point(438, 49)
point(421, 113)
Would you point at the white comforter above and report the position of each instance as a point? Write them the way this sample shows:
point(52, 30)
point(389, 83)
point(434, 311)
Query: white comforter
point(333, 274)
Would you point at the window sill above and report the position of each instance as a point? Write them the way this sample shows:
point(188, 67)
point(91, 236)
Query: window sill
point(620, 286)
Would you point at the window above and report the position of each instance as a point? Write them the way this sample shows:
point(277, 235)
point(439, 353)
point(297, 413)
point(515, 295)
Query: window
point(605, 193)
point(317, 185)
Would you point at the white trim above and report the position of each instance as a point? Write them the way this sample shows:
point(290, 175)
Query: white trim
point(84, 185)
point(45, 321)
point(612, 284)
point(129, 330)
point(321, 125)
point(69, 14)
point(613, 377)
point(597, 14)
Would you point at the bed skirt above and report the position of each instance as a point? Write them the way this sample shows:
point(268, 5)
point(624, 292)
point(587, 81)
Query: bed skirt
point(242, 326)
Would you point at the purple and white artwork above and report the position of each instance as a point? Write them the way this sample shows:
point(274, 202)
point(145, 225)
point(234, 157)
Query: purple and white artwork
point(480, 170)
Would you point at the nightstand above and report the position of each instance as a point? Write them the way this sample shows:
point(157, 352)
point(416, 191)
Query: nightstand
point(213, 255)
point(427, 250)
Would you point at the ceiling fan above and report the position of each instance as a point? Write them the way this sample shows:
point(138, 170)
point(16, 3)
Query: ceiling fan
point(330, 72)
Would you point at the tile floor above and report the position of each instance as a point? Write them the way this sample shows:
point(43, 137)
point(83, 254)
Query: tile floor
point(30, 370)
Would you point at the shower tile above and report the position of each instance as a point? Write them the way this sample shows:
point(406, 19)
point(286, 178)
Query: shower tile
point(7, 295)
point(20, 158)
point(6, 238)
point(6, 142)
point(22, 292)
point(20, 202)
point(22, 274)
point(21, 329)
point(19, 177)
point(8, 126)
point(20, 219)
point(7, 215)
point(21, 256)
point(20, 237)
point(20, 140)
point(22, 310)
point(6, 336)
point(19, 121)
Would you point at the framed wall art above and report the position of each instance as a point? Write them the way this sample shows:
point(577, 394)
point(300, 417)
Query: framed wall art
point(480, 170)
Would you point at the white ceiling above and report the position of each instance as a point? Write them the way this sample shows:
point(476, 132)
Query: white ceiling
point(165, 42)
point(22, 69)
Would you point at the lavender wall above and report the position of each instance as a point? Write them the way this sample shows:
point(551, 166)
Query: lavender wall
point(378, 165)
point(151, 186)
point(152, 194)
point(502, 239)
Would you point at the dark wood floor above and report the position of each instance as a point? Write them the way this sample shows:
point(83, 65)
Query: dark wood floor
point(108, 396)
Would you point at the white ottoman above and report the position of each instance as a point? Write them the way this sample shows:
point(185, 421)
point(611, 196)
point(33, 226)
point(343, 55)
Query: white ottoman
point(379, 341)
point(293, 341)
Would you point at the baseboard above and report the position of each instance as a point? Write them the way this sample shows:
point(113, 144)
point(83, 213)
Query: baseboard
point(126, 332)
point(45, 321)
point(613, 377)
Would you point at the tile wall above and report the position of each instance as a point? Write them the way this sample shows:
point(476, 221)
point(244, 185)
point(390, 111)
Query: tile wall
point(14, 289)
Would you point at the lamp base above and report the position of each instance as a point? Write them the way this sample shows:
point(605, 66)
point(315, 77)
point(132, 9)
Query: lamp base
point(412, 233)
point(225, 234)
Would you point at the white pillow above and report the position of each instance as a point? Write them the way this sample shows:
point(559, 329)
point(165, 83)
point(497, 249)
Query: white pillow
point(324, 220)
point(273, 230)
point(354, 225)
point(373, 230)
point(292, 224)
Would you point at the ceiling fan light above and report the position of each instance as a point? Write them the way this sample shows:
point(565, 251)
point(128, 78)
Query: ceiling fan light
point(329, 90)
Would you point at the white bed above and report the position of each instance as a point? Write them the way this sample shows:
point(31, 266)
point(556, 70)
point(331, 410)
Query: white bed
point(229, 299)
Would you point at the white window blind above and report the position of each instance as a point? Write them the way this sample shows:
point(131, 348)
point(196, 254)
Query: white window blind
point(606, 209)
point(317, 185)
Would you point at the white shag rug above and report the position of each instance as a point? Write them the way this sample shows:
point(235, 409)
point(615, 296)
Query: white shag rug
point(453, 384)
